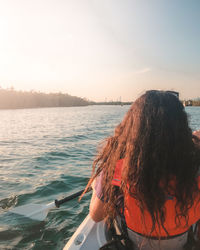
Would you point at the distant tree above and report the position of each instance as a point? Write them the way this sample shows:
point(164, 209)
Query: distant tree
point(11, 99)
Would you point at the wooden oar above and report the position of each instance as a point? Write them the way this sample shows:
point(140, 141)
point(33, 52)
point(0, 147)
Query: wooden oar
point(38, 211)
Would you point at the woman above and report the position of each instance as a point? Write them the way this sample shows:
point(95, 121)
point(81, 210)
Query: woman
point(147, 173)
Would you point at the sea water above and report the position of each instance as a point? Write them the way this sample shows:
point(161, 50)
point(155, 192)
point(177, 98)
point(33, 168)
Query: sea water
point(46, 154)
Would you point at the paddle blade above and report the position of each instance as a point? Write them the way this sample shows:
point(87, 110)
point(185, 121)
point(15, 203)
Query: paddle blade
point(34, 211)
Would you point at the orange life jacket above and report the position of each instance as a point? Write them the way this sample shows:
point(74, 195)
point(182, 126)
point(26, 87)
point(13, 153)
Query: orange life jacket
point(141, 222)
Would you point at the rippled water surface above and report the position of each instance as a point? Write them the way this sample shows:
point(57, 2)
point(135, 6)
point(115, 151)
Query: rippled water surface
point(46, 154)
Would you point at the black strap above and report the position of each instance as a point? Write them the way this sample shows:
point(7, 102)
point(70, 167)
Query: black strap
point(127, 241)
point(124, 232)
point(118, 241)
point(114, 244)
point(192, 241)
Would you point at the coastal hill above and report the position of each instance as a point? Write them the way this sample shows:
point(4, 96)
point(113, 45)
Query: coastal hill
point(12, 99)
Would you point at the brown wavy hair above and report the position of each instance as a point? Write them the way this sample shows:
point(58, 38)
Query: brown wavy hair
point(156, 143)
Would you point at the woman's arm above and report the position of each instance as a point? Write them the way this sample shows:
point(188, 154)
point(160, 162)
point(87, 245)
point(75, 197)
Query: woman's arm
point(96, 208)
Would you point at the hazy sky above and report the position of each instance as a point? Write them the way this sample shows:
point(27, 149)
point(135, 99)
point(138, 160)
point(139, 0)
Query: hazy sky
point(101, 49)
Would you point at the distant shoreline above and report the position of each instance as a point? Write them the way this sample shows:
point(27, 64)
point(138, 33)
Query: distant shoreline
point(112, 103)
point(94, 104)
point(191, 103)
point(12, 99)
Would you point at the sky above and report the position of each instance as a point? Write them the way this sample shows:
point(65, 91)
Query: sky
point(101, 49)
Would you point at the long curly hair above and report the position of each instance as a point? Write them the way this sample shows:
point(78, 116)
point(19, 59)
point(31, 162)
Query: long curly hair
point(157, 144)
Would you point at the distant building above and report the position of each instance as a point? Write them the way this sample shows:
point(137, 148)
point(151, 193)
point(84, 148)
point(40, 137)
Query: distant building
point(187, 103)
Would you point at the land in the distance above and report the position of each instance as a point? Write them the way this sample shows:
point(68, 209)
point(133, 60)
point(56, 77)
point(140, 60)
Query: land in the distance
point(194, 102)
point(12, 99)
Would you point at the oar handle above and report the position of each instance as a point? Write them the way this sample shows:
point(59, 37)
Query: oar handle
point(71, 197)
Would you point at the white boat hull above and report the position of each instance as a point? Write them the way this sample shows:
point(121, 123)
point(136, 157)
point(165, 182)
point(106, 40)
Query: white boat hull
point(89, 235)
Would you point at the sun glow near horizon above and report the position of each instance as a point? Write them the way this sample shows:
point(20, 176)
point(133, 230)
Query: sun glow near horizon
point(100, 50)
